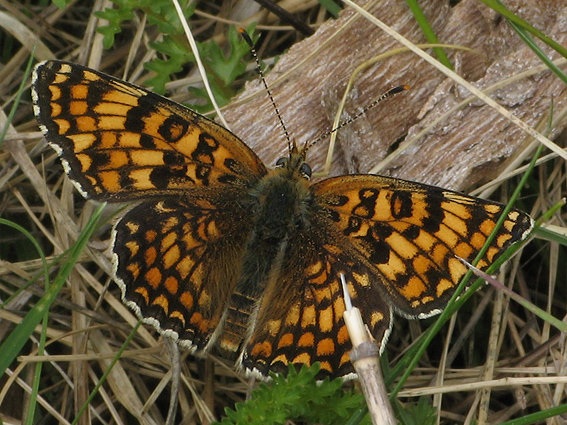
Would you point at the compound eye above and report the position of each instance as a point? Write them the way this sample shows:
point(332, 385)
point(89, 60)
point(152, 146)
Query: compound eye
point(282, 162)
point(305, 170)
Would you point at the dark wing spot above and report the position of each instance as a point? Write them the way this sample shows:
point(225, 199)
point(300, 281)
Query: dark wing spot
point(96, 91)
point(99, 160)
point(365, 208)
point(379, 252)
point(173, 158)
point(411, 233)
point(173, 128)
point(435, 216)
point(337, 200)
point(135, 117)
point(203, 172)
point(382, 230)
point(401, 205)
point(147, 141)
point(162, 177)
point(204, 151)
point(354, 224)
point(125, 180)
point(233, 165)
point(227, 179)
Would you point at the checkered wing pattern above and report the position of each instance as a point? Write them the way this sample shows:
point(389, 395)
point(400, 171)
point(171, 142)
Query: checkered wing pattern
point(309, 326)
point(411, 235)
point(177, 262)
point(120, 142)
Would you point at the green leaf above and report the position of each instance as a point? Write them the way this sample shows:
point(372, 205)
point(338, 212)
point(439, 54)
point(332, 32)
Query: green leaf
point(230, 66)
point(61, 4)
point(332, 7)
point(164, 68)
point(421, 413)
point(297, 397)
point(115, 18)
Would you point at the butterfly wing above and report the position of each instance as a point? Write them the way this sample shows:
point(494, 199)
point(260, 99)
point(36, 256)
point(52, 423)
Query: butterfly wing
point(118, 141)
point(175, 259)
point(411, 234)
point(396, 243)
point(300, 318)
point(176, 262)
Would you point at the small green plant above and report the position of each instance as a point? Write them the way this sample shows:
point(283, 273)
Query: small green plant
point(297, 397)
point(223, 64)
point(422, 413)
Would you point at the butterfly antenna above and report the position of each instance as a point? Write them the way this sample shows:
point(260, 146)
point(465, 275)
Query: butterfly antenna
point(391, 92)
point(248, 40)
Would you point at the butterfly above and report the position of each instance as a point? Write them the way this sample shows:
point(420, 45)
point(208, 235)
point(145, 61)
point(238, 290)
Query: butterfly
point(217, 250)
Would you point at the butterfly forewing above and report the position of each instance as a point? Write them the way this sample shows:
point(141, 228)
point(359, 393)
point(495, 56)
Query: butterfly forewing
point(412, 234)
point(119, 141)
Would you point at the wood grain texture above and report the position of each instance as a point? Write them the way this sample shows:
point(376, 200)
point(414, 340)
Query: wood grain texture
point(469, 147)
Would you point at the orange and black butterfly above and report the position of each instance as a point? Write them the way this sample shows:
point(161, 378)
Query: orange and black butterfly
point(218, 250)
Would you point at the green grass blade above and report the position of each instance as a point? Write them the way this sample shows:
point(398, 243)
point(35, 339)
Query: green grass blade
point(13, 344)
point(539, 417)
point(500, 8)
point(428, 32)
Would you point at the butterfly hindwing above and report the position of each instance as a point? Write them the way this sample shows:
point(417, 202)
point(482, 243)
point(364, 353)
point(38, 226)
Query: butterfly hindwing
point(121, 142)
point(309, 326)
point(176, 262)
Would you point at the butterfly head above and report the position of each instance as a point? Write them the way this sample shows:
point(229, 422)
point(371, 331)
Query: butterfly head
point(295, 163)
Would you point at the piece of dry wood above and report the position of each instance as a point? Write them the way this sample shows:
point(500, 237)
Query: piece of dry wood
point(467, 148)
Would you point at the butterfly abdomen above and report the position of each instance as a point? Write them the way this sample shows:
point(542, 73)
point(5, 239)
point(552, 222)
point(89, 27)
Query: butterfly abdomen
point(280, 210)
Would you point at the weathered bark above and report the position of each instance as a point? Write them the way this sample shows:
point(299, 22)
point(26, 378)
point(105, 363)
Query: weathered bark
point(469, 147)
